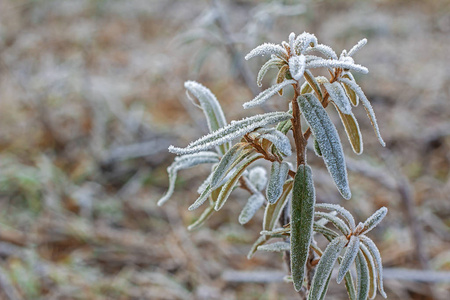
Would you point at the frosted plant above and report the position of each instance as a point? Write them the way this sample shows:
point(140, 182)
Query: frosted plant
point(287, 193)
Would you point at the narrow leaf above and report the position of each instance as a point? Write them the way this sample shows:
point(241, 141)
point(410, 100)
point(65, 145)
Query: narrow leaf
point(325, 288)
point(281, 76)
point(326, 232)
point(358, 46)
point(273, 211)
point(312, 81)
point(324, 49)
point(253, 204)
point(229, 185)
point(372, 271)
point(203, 218)
point(278, 139)
point(362, 271)
point(325, 266)
point(230, 132)
point(338, 96)
point(258, 177)
point(278, 174)
point(332, 63)
point(351, 127)
point(371, 114)
point(374, 220)
point(260, 241)
point(201, 199)
point(350, 93)
point(303, 201)
point(328, 139)
point(267, 49)
point(338, 223)
point(340, 210)
point(276, 247)
point(297, 66)
point(349, 257)
point(272, 63)
point(185, 162)
point(211, 108)
point(377, 259)
point(267, 94)
point(303, 41)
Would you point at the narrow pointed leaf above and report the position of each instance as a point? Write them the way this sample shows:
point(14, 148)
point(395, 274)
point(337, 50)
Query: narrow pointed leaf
point(201, 199)
point(275, 247)
point(362, 271)
point(253, 204)
point(260, 241)
point(328, 139)
point(272, 63)
point(267, 94)
point(350, 93)
point(278, 139)
point(297, 66)
point(258, 177)
point(312, 81)
point(324, 49)
point(232, 131)
point(377, 259)
point(281, 76)
point(305, 88)
point(325, 266)
point(326, 232)
point(203, 218)
point(351, 127)
point(303, 201)
point(273, 211)
point(340, 210)
point(358, 46)
point(211, 107)
point(185, 162)
point(372, 271)
point(332, 63)
point(278, 174)
point(338, 96)
point(350, 286)
point(359, 92)
point(337, 222)
point(303, 41)
point(229, 185)
point(374, 220)
point(349, 257)
point(325, 288)
point(267, 49)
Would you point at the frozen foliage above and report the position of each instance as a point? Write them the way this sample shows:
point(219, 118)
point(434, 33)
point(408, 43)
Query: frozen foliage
point(362, 272)
point(267, 94)
point(338, 96)
point(374, 220)
point(272, 63)
point(267, 49)
point(210, 106)
point(355, 87)
point(337, 222)
point(372, 271)
point(275, 247)
point(185, 162)
point(258, 177)
point(297, 66)
point(328, 139)
point(325, 266)
point(253, 204)
point(332, 63)
point(358, 46)
point(201, 199)
point(202, 219)
point(354, 99)
point(232, 131)
point(352, 130)
point(349, 256)
point(377, 259)
point(278, 139)
point(341, 211)
point(273, 211)
point(324, 49)
point(302, 218)
point(303, 41)
point(278, 174)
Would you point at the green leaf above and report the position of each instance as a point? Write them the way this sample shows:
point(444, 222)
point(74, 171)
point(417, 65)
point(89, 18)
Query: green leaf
point(338, 96)
point(338, 223)
point(302, 218)
point(232, 131)
point(377, 260)
point(229, 185)
point(211, 108)
point(253, 204)
point(351, 127)
point(325, 266)
point(273, 211)
point(349, 257)
point(278, 174)
point(185, 162)
point(267, 49)
point(267, 94)
point(277, 138)
point(372, 271)
point(326, 232)
point(328, 139)
point(275, 247)
point(272, 63)
point(363, 277)
point(317, 148)
point(325, 288)
point(374, 220)
point(201, 199)
point(341, 211)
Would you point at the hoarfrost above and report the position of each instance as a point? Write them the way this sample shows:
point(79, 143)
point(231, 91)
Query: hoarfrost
point(278, 174)
point(374, 220)
point(276, 247)
point(377, 259)
point(349, 257)
point(358, 46)
point(340, 210)
point(331, 63)
point(258, 177)
point(253, 204)
point(267, 49)
point(267, 94)
point(339, 97)
point(297, 66)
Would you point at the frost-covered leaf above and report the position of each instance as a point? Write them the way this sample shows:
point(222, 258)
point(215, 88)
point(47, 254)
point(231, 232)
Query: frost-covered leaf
point(326, 232)
point(260, 241)
point(317, 148)
point(267, 49)
point(185, 162)
point(358, 46)
point(231, 158)
point(325, 288)
point(278, 139)
point(325, 266)
point(340, 210)
point(201, 199)
point(229, 185)
point(312, 81)
point(267, 94)
point(303, 41)
point(273, 211)
point(232, 131)
point(211, 107)
point(377, 259)
point(349, 284)
point(253, 204)
point(203, 217)
point(281, 76)
point(350, 93)
point(332, 63)
point(305, 88)
point(372, 271)
point(374, 220)
point(276, 231)
point(337, 222)
point(297, 66)
point(357, 89)
point(272, 63)
point(324, 49)
point(278, 174)
point(351, 127)
point(328, 139)
point(275, 247)
point(302, 218)
point(349, 257)
point(338, 96)
point(362, 272)
point(258, 177)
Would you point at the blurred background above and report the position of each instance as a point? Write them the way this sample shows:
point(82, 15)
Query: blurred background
point(91, 96)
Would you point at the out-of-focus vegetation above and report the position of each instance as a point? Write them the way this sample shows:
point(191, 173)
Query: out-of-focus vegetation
point(91, 95)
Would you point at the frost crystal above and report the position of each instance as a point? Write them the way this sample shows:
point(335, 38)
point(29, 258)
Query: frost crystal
point(267, 49)
point(266, 94)
point(324, 49)
point(297, 66)
point(272, 63)
point(374, 220)
point(278, 139)
point(278, 174)
point(338, 96)
point(377, 259)
point(258, 177)
point(331, 63)
point(253, 204)
point(340, 210)
point(304, 41)
point(349, 257)
point(358, 46)
point(276, 247)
